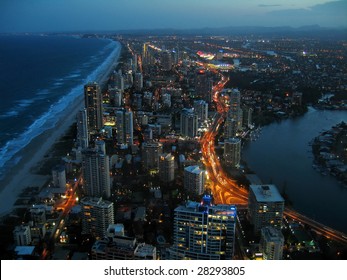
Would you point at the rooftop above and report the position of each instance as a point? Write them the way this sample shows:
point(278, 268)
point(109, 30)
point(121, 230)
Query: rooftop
point(193, 169)
point(266, 193)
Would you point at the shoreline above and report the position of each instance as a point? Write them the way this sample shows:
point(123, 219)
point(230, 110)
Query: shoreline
point(22, 175)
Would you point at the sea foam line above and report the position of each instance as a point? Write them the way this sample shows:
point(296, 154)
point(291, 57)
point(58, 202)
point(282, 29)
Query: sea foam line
point(49, 119)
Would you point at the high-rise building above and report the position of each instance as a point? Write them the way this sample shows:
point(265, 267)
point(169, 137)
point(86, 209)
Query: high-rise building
point(265, 206)
point(124, 127)
point(93, 105)
point(59, 177)
point(233, 121)
point(138, 81)
point(202, 85)
point(189, 123)
point(203, 231)
point(194, 179)
point(119, 80)
point(97, 215)
point(232, 152)
point(247, 113)
point(201, 110)
point(82, 129)
point(167, 168)
point(271, 243)
point(134, 65)
point(166, 60)
point(96, 173)
point(22, 235)
point(150, 155)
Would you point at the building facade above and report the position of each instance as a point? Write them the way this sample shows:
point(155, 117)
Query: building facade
point(271, 243)
point(166, 168)
point(265, 206)
point(150, 155)
point(125, 127)
point(94, 107)
point(189, 123)
point(203, 231)
point(96, 173)
point(97, 215)
point(194, 179)
point(232, 152)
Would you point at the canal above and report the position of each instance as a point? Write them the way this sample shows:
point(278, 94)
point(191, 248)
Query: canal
point(282, 155)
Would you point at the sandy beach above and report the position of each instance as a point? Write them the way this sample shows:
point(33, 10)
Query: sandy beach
point(21, 175)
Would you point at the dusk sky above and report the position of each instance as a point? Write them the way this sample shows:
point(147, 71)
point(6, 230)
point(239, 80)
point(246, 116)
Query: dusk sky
point(88, 15)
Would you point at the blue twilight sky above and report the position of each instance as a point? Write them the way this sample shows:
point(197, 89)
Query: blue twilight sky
point(90, 15)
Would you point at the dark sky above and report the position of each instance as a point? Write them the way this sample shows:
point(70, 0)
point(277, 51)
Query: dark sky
point(87, 15)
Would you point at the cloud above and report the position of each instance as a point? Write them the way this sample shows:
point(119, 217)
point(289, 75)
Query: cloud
point(267, 6)
point(328, 15)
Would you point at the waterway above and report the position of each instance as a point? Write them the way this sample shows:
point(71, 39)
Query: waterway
point(282, 156)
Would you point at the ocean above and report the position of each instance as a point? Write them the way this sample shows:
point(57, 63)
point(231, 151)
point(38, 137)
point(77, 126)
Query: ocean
point(39, 77)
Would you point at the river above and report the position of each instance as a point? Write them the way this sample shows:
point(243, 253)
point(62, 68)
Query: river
point(282, 156)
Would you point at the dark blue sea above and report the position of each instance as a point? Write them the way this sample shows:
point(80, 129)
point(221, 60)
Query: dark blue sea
point(39, 77)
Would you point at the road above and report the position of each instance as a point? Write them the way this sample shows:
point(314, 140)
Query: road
point(225, 190)
point(66, 208)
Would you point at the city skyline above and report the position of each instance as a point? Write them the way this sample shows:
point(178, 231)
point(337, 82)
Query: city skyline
point(68, 16)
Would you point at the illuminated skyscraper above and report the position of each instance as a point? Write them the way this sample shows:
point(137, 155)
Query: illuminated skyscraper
point(189, 123)
point(119, 80)
point(125, 128)
point(232, 152)
point(271, 243)
point(166, 60)
point(97, 215)
point(203, 231)
point(194, 179)
point(233, 121)
point(201, 110)
point(150, 155)
point(202, 85)
point(138, 81)
point(265, 206)
point(96, 172)
point(167, 168)
point(93, 105)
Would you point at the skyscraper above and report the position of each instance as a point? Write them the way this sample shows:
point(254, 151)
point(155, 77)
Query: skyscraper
point(189, 123)
point(203, 231)
point(97, 215)
point(271, 243)
point(247, 113)
point(201, 110)
point(166, 60)
point(233, 121)
point(82, 129)
point(150, 155)
point(232, 152)
point(119, 80)
point(202, 85)
point(167, 168)
point(194, 179)
point(96, 173)
point(124, 127)
point(93, 105)
point(138, 81)
point(265, 206)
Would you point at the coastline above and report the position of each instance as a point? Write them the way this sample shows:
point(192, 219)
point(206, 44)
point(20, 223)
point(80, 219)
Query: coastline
point(22, 175)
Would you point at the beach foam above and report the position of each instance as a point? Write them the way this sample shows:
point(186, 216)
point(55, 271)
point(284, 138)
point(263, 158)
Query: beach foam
point(50, 118)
